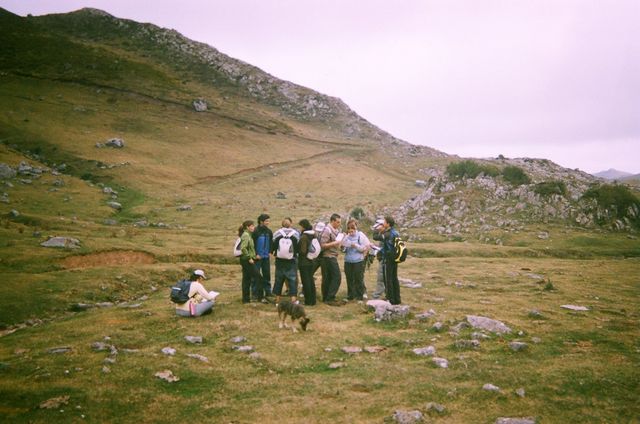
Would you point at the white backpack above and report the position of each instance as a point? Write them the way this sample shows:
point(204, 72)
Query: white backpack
point(236, 248)
point(285, 247)
point(314, 249)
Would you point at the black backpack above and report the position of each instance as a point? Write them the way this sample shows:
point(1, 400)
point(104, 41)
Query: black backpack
point(180, 291)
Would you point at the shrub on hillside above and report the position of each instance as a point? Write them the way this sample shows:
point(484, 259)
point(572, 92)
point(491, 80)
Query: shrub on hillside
point(616, 198)
point(549, 188)
point(470, 169)
point(358, 213)
point(515, 175)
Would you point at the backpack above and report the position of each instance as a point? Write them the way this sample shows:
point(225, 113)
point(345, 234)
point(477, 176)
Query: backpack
point(314, 248)
point(180, 291)
point(236, 248)
point(285, 247)
point(400, 250)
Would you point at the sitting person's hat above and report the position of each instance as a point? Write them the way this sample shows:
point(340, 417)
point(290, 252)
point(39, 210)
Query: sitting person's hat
point(199, 273)
point(378, 223)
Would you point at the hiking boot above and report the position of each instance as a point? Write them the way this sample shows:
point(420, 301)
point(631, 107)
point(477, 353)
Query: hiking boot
point(334, 303)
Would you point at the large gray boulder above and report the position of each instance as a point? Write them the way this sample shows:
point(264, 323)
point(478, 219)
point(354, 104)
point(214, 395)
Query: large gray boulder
point(488, 324)
point(64, 242)
point(6, 171)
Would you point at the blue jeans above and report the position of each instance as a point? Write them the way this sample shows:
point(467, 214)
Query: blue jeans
point(286, 270)
point(264, 268)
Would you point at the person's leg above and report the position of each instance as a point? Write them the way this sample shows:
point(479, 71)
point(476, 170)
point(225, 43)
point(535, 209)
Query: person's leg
point(246, 280)
point(277, 282)
point(358, 271)
point(308, 286)
point(335, 278)
point(203, 308)
point(380, 289)
point(348, 272)
point(324, 286)
point(257, 278)
point(392, 283)
point(291, 271)
point(265, 264)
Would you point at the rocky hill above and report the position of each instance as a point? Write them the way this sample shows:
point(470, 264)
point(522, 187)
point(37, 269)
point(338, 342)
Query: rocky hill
point(486, 207)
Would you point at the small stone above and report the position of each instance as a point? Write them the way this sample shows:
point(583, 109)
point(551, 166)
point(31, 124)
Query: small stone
point(536, 340)
point(574, 307)
point(432, 406)
point(336, 365)
point(438, 326)
point(193, 339)
point(425, 351)
point(467, 344)
point(109, 360)
point(441, 362)
point(183, 208)
point(520, 392)
point(255, 355)
point(106, 369)
point(351, 349)
point(100, 346)
point(518, 346)
point(238, 339)
point(55, 403)
point(245, 348)
point(167, 375)
point(407, 417)
point(527, 420)
point(115, 205)
point(198, 357)
point(488, 324)
point(61, 349)
point(426, 315)
point(169, 351)
point(374, 349)
point(491, 388)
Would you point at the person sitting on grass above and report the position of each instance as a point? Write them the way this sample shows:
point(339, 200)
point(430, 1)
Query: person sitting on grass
point(200, 300)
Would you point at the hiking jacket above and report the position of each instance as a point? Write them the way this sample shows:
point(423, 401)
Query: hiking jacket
point(247, 247)
point(262, 237)
point(353, 246)
point(388, 237)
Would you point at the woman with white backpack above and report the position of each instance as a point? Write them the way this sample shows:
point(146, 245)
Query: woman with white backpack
point(309, 250)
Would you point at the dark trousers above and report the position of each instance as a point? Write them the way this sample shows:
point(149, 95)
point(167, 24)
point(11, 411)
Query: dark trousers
point(308, 284)
point(355, 280)
point(249, 274)
point(391, 283)
point(331, 278)
point(264, 267)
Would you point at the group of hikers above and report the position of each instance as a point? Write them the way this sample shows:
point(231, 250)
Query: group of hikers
point(301, 252)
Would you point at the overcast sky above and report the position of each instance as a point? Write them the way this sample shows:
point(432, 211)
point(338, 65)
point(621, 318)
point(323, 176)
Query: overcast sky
point(555, 79)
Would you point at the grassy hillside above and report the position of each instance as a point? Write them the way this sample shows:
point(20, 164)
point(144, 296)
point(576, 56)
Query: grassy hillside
point(185, 181)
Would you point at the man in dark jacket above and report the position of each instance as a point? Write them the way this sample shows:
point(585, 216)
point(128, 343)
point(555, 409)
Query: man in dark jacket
point(262, 239)
point(391, 283)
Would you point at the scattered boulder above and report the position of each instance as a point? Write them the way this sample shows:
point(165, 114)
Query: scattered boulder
point(200, 105)
point(385, 311)
point(435, 407)
point(518, 346)
point(115, 205)
point(374, 349)
point(421, 183)
point(193, 339)
point(198, 357)
point(7, 172)
point(527, 420)
point(167, 375)
point(407, 417)
point(65, 242)
point(574, 307)
point(488, 324)
point(467, 344)
point(425, 351)
point(117, 143)
point(281, 195)
point(426, 315)
point(183, 208)
point(441, 362)
point(351, 349)
point(438, 326)
point(245, 348)
point(491, 388)
point(61, 349)
point(55, 403)
point(169, 351)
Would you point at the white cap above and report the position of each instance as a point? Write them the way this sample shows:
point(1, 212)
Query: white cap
point(378, 223)
point(200, 273)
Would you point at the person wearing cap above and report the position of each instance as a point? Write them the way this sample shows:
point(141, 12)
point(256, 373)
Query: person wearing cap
point(200, 300)
point(378, 229)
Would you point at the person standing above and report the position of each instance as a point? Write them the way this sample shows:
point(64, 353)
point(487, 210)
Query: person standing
point(330, 244)
point(378, 229)
point(247, 261)
point(391, 283)
point(356, 245)
point(285, 249)
point(305, 265)
point(262, 238)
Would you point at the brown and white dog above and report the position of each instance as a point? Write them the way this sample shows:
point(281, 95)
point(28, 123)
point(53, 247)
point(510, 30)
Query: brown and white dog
point(295, 312)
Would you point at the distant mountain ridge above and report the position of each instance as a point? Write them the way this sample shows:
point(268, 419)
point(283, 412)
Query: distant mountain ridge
point(613, 174)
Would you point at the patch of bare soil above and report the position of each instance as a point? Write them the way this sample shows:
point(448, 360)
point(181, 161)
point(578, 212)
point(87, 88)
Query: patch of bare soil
point(116, 258)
